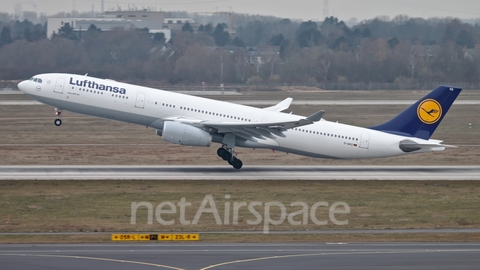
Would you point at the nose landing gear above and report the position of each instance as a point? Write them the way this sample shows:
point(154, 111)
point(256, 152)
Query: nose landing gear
point(58, 121)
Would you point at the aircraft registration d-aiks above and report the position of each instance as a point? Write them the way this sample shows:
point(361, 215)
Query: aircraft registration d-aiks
point(195, 121)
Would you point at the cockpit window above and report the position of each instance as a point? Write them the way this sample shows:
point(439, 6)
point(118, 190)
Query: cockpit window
point(35, 80)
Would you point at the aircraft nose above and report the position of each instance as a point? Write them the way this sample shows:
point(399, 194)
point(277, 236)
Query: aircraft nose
point(22, 86)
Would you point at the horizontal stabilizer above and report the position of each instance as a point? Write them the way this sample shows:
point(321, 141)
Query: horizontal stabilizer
point(408, 146)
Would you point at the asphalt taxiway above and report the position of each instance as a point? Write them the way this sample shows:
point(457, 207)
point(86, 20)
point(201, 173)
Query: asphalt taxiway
point(243, 256)
point(224, 172)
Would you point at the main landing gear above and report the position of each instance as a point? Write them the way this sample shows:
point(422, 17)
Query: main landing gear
point(58, 121)
point(229, 157)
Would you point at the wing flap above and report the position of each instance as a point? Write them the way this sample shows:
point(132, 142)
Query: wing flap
point(248, 132)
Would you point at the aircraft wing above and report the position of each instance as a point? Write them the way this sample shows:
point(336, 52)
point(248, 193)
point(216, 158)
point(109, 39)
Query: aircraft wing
point(261, 130)
point(250, 130)
point(281, 106)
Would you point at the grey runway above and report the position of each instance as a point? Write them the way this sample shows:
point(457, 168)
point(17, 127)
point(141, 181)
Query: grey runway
point(243, 256)
point(248, 172)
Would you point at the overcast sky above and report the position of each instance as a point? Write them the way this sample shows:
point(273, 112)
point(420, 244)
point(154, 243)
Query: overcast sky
point(294, 9)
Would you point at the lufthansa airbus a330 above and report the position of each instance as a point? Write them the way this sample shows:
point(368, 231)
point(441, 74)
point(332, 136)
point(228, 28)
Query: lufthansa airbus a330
point(195, 121)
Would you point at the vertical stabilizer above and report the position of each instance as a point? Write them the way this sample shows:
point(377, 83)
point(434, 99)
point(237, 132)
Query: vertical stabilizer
point(422, 118)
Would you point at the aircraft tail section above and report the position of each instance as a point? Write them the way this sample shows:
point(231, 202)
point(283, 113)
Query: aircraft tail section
point(422, 118)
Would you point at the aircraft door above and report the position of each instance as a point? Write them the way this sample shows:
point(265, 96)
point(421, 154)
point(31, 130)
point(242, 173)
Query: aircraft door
point(140, 102)
point(59, 85)
point(365, 140)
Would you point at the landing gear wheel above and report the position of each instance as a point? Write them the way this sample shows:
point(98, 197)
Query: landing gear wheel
point(221, 151)
point(236, 163)
point(228, 154)
point(57, 122)
point(224, 154)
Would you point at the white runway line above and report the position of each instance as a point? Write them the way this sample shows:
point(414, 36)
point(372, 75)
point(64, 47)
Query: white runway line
point(246, 173)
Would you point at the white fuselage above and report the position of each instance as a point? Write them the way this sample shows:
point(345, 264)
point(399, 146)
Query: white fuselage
point(151, 107)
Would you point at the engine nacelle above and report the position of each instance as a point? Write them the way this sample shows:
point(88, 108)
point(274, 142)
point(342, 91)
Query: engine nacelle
point(183, 134)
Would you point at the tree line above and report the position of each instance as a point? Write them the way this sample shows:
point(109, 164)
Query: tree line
point(411, 52)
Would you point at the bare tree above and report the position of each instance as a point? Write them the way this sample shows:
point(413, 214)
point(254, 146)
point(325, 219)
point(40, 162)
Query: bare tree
point(412, 60)
point(240, 65)
point(325, 60)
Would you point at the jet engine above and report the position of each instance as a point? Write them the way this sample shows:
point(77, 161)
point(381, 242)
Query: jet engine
point(183, 134)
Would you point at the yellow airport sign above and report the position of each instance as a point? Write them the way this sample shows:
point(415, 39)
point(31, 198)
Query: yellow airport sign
point(124, 237)
point(144, 237)
point(156, 237)
point(164, 237)
point(186, 237)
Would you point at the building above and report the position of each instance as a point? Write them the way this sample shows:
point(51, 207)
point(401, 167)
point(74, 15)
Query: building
point(176, 24)
point(144, 15)
point(153, 20)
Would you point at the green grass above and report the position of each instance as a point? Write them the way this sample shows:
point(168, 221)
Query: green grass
point(99, 206)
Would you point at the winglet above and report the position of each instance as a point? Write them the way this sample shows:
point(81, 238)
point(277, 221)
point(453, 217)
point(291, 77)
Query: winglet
point(316, 116)
point(281, 106)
